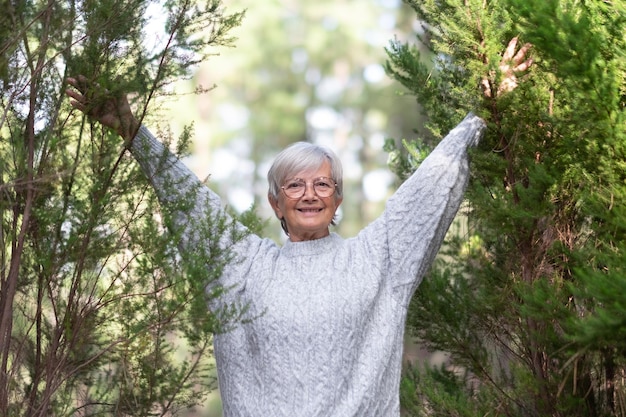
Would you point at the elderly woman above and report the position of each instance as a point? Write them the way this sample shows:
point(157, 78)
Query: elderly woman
point(327, 314)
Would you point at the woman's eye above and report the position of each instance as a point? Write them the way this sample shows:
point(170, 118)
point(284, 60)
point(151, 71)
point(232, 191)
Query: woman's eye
point(294, 185)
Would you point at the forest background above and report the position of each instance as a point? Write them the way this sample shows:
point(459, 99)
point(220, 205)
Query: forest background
point(100, 315)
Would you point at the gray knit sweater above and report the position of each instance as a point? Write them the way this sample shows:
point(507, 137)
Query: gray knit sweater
point(327, 316)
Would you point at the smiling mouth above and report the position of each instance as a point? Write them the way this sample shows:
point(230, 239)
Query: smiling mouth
point(310, 210)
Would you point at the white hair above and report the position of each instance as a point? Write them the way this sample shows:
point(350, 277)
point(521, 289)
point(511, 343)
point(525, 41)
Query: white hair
point(302, 156)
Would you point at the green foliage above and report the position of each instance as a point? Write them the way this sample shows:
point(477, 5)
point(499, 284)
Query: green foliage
point(527, 296)
point(99, 313)
point(601, 282)
point(443, 392)
point(403, 164)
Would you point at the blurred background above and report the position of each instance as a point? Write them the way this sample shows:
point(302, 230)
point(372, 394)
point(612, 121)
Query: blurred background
point(300, 71)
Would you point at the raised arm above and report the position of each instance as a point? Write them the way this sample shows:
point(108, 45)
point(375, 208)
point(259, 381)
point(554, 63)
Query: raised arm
point(194, 211)
point(418, 215)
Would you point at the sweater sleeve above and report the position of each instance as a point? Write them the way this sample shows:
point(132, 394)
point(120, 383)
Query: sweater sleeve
point(417, 217)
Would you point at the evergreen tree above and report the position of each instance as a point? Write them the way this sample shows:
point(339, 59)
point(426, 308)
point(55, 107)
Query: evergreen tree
point(96, 303)
point(528, 297)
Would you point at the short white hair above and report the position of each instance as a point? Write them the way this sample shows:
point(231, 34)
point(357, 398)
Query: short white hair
point(302, 156)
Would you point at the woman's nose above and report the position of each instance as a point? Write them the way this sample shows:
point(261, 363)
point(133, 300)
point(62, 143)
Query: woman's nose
point(309, 192)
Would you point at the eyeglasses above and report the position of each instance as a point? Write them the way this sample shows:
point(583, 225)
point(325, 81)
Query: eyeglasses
point(323, 187)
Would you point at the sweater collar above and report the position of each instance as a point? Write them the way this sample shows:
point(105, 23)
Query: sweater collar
point(311, 247)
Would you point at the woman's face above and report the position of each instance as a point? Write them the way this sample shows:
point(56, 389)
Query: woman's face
point(309, 216)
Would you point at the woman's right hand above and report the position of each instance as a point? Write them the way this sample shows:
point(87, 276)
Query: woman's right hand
point(96, 102)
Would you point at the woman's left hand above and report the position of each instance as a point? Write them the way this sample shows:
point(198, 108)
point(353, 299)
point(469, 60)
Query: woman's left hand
point(511, 64)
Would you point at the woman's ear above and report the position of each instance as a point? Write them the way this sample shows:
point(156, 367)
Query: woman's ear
point(274, 203)
point(338, 200)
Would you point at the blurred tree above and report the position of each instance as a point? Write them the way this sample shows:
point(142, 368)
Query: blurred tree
point(95, 301)
point(528, 297)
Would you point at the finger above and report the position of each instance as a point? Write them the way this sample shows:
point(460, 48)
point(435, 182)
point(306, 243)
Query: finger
point(81, 83)
point(524, 65)
point(82, 80)
point(510, 50)
point(486, 86)
point(76, 95)
point(78, 83)
point(77, 99)
point(78, 105)
point(521, 54)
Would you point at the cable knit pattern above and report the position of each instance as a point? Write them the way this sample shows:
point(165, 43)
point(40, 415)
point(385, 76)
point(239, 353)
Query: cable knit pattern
point(328, 315)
